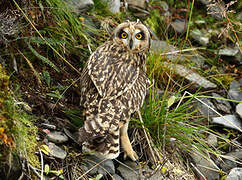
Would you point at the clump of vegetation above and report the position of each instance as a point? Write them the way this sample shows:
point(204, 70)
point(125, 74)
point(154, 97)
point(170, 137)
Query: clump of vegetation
point(17, 131)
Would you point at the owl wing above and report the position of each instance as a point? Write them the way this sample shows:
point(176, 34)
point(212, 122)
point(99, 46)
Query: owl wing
point(111, 75)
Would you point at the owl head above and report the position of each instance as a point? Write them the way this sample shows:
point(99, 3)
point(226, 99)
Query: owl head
point(133, 36)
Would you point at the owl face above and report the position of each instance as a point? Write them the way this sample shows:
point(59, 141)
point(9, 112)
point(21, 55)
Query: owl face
point(133, 36)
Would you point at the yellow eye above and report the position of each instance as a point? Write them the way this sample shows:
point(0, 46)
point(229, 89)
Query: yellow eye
point(124, 35)
point(139, 36)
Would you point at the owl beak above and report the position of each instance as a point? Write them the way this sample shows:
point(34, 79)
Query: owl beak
point(131, 44)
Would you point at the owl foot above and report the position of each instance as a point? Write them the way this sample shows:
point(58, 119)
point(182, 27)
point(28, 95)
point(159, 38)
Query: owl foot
point(131, 154)
point(127, 147)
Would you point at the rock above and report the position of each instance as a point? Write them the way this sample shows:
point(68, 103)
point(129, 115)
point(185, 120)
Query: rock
point(235, 174)
point(161, 46)
point(79, 6)
point(194, 78)
point(164, 5)
point(214, 9)
point(48, 126)
point(239, 109)
point(179, 25)
point(239, 17)
point(203, 109)
point(56, 151)
point(229, 161)
point(117, 177)
point(235, 92)
point(137, 3)
point(102, 168)
point(113, 5)
point(206, 166)
point(57, 137)
point(212, 140)
point(200, 37)
point(139, 7)
point(229, 121)
point(132, 171)
point(222, 105)
point(233, 53)
point(173, 53)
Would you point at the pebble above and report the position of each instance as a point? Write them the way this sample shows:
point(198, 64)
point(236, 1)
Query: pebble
point(234, 90)
point(103, 168)
point(57, 137)
point(206, 166)
point(239, 109)
point(222, 105)
point(235, 174)
point(56, 151)
point(200, 37)
point(229, 163)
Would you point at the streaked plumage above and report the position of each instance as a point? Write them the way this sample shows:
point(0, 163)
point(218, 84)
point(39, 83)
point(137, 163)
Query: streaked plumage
point(113, 87)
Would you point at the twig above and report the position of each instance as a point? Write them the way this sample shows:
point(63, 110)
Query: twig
point(238, 128)
point(32, 68)
point(198, 171)
point(42, 164)
point(126, 166)
point(180, 51)
point(146, 136)
point(91, 169)
point(34, 170)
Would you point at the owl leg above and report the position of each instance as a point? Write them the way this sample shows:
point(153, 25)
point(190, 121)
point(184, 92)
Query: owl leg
point(127, 147)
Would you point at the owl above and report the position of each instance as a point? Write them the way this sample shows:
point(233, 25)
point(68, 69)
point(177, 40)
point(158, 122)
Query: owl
point(113, 87)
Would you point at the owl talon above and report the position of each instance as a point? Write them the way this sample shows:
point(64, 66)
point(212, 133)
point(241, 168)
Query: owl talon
point(132, 155)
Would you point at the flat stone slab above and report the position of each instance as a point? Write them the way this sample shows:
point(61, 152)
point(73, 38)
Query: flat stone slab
point(230, 121)
point(192, 76)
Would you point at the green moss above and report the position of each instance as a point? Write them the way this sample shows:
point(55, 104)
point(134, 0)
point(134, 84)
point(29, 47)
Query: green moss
point(17, 132)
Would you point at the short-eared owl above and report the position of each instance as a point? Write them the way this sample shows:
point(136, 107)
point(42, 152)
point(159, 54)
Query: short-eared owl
point(113, 87)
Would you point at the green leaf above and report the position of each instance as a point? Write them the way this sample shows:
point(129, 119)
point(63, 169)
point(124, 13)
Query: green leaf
point(44, 59)
point(47, 168)
point(171, 101)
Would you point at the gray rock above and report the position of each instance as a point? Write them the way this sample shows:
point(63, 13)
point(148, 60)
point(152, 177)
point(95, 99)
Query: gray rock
point(205, 166)
point(203, 109)
point(200, 37)
point(239, 17)
point(229, 162)
point(239, 109)
point(48, 126)
point(212, 140)
point(102, 168)
point(173, 53)
point(235, 92)
point(194, 78)
point(214, 9)
point(56, 151)
point(132, 172)
point(234, 52)
point(117, 177)
point(179, 25)
point(113, 5)
point(222, 105)
point(235, 174)
point(138, 7)
point(137, 3)
point(164, 5)
point(229, 121)
point(79, 6)
point(57, 137)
